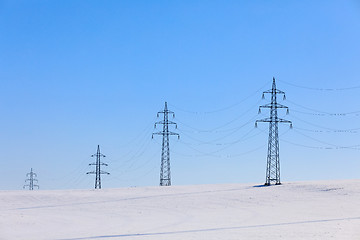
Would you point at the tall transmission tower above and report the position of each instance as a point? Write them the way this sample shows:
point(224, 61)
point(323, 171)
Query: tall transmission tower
point(165, 175)
point(31, 179)
point(273, 161)
point(98, 171)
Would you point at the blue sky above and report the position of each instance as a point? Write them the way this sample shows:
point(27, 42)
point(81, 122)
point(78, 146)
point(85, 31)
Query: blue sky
point(75, 74)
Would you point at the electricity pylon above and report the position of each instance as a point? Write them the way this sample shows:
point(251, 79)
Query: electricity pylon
point(98, 171)
point(273, 161)
point(165, 175)
point(31, 178)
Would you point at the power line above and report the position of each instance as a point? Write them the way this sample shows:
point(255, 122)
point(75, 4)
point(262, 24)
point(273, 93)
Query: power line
point(328, 131)
point(224, 108)
point(326, 128)
point(320, 89)
point(316, 112)
point(334, 147)
point(326, 143)
point(134, 158)
point(215, 129)
point(215, 141)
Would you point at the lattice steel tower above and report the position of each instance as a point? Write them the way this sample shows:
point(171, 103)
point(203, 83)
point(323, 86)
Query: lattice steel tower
point(31, 178)
point(98, 171)
point(165, 175)
point(273, 161)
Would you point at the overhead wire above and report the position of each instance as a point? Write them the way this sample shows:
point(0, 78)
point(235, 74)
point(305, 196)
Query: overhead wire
point(257, 148)
point(143, 135)
point(219, 138)
point(319, 112)
point(222, 149)
point(354, 147)
point(326, 128)
point(328, 131)
point(221, 126)
point(332, 146)
point(320, 89)
point(224, 108)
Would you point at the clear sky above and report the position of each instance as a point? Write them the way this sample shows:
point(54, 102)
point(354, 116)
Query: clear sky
point(75, 74)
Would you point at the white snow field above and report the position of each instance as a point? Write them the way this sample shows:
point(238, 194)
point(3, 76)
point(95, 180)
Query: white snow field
point(297, 210)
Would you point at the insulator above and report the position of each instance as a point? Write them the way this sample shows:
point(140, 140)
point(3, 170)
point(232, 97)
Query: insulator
point(157, 115)
point(178, 137)
point(284, 98)
point(255, 124)
point(174, 115)
point(291, 126)
point(155, 125)
point(176, 126)
point(259, 111)
point(152, 136)
point(263, 96)
point(287, 111)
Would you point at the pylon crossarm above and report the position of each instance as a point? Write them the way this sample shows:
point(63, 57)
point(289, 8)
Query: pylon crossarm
point(270, 105)
point(103, 172)
point(159, 122)
point(281, 106)
point(162, 122)
point(158, 133)
point(277, 91)
point(280, 120)
point(165, 111)
point(175, 134)
point(264, 120)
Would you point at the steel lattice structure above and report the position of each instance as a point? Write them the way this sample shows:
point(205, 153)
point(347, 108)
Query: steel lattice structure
point(31, 178)
point(273, 161)
point(165, 174)
point(98, 171)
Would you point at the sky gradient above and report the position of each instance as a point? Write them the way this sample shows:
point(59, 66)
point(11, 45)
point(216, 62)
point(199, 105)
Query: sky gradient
point(75, 74)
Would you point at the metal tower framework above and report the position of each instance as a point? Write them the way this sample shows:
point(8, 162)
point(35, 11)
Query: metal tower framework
point(98, 171)
point(165, 175)
point(273, 161)
point(31, 179)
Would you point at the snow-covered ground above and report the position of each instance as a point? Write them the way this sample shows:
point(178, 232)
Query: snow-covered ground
point(299, 210)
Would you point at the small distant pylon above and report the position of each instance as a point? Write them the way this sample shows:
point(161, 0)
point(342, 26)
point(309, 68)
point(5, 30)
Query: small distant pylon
point(273, 160)
point(31, 179)
point(98, 171)
point(165, 174)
